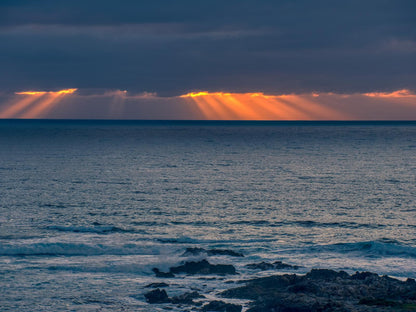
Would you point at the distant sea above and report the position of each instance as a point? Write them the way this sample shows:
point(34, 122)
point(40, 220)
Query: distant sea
point(88, 208)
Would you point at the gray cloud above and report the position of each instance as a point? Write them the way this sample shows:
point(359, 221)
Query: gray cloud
point(172, 47)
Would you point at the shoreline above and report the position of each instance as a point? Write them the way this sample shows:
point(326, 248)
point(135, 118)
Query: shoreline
point(321, 290)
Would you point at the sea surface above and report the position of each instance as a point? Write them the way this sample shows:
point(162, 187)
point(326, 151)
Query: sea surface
point(88, 208)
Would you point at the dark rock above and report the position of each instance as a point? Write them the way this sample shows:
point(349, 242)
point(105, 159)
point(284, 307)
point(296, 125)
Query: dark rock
point(379, 302)
point(194, 251)
point(157, 296)
point(263, 287)
point(157, 285)
point(363, 275)
point(326, 274)
point(203, 267)
point(277, 265)
point(158, 273)
point(260, 266)
point(305, 287)
point(294, 304)
point(220, 306)
point(186, 298)
point(327, 291)
point(224, 252)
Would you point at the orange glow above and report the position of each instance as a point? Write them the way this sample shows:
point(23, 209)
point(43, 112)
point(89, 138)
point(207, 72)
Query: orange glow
point(31, 93)
point(45, 104)
point(65, 91)
point(16, 107)
point(258, 106)
point(35, 104)
point(395, 94)
point(194, 94)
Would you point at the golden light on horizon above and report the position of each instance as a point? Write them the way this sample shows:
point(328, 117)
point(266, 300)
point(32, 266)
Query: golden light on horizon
point(205, 105)
point(65, 91)
point(259, 106)
point(34, 104)
point(31, 93)
point(394, 94)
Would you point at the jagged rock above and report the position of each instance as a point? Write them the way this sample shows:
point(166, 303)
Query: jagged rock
point(326, 291)
point(194, 251)
point(157, 285)
point(305, 287)
point(363, 275)
point(224, 252)
point(262, 287)
point(157, 296)
point(186, 298)
point(203, 267)
point(158, 273)
point(379, 302)
point(220, 306)
point(277, 265)
point(260, 266)
point(326, 274)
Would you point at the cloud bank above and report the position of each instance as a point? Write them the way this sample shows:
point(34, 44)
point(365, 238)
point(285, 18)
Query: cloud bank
point(177, 47)
point(120, 104)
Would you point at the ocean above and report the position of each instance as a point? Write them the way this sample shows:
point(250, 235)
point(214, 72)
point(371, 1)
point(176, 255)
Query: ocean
point(88, 208)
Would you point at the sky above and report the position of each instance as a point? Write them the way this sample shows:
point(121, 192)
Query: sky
point(217, 59)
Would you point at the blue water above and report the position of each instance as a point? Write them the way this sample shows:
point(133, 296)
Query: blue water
point(87, 208)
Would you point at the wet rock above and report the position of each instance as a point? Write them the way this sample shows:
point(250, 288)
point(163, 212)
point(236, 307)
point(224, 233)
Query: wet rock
point(379, 302)
point(327, 290)
point(224, 252)
point(220, 306)
point(260, 266)
point(158, 273)
point(277, 265)
point(194, 251)
point(157, 296)
point(411, 281)
point(203, 267)
point(305, 287)
point(294, 303)
point(263, 287)
point(157, 285)
point(186, 298)
point(363, 275)
point(326, 274)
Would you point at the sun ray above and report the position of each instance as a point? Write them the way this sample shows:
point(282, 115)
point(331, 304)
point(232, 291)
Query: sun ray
point(42, 107)
point(19, 105)
point(258, 106)
point(35, 104)
point(241, 108)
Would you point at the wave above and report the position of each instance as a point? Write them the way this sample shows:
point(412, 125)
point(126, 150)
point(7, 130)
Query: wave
point(374, 249)
point(310, 223)
point(73, 249)
point(179, 240)
point(307, 224)
point(102, 229)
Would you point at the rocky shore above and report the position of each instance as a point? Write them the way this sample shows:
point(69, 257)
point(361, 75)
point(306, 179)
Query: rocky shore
point(327, 290)
point(320, 290)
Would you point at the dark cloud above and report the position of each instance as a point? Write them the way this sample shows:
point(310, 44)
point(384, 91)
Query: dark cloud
point(171, 47)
